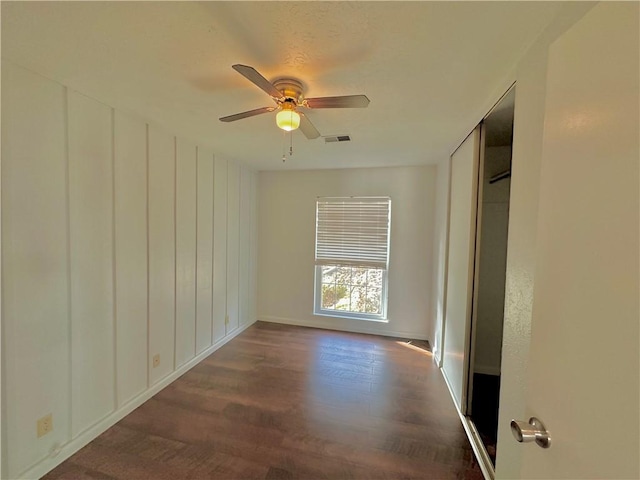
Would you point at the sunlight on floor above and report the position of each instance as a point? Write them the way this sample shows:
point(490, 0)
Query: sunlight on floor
point(415, 348)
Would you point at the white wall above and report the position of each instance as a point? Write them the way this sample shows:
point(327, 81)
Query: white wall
point(35, 266)
point(286, 229)
point(204, 246)
point(130, 192)
point(90, 153)
point(89, 194)
point(245, 238)
point(162, 251)
point(440, 249)
point(233, 247)
point(492, 262)
point(220, 249)
point(186, 255)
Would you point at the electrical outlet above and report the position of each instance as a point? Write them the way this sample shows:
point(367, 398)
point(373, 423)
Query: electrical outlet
point(44, 425)
point(156, 360)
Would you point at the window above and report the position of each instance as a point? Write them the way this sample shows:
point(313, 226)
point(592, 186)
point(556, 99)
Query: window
point(352, 255)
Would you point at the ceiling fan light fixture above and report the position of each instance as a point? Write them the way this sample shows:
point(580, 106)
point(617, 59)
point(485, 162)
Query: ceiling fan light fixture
point(288, 119)
point(288, 94)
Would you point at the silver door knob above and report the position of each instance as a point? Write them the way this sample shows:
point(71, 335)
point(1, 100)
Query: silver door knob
point(533, 431)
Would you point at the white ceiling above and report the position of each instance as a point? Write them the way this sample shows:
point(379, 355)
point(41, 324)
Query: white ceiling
point(427, 67)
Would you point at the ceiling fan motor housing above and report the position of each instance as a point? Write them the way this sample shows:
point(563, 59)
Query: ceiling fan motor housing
point(288, 95)
point(290, 88)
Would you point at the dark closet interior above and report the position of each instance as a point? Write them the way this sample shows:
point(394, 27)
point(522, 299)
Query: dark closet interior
point(489, 284)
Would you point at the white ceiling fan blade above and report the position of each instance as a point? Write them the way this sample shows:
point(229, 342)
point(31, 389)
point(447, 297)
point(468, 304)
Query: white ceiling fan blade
point(250, 113)
point(257, 79)
point(346, 101)
point(306, 127)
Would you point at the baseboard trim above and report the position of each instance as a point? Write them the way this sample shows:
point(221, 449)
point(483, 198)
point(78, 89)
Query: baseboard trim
point(357, 329)
point(436, 357)
point(63, 452)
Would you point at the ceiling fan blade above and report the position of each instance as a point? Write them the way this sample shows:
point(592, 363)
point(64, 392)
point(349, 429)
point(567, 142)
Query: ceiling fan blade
point(250, 113)
point(347, 101)
point(307, 127)
point(254, 76)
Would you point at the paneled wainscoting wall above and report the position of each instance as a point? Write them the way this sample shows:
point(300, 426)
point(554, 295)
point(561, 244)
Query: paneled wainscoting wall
point(128, 255)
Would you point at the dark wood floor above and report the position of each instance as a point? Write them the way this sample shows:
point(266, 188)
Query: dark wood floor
point(284, 402)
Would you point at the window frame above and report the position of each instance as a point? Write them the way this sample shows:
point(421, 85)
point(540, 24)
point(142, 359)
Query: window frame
point(317, 290)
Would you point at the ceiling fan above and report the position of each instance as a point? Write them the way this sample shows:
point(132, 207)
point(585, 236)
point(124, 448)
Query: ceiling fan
point(288, 94)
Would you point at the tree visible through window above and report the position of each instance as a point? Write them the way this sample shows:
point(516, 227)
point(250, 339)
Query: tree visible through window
point(352, 244)
point(352, 289)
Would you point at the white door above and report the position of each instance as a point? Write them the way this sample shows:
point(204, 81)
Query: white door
point(583, 365)
point(462, 234)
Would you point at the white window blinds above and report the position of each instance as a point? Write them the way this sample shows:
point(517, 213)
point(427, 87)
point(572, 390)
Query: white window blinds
point(353, 231)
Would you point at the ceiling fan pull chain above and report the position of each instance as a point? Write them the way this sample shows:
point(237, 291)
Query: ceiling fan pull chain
point(291, 143)
point(284, 157)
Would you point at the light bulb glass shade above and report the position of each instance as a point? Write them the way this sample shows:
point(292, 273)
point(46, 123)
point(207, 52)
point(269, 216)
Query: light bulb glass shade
point(288, 119)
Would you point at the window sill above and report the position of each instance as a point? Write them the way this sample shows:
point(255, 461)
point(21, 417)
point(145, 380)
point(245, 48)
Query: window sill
point(346, 316)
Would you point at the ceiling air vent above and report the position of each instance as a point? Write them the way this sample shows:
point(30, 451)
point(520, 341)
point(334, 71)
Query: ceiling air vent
point(337, 138)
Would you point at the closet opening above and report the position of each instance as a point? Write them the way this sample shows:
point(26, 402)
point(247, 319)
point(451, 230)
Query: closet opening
point(487, 315)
